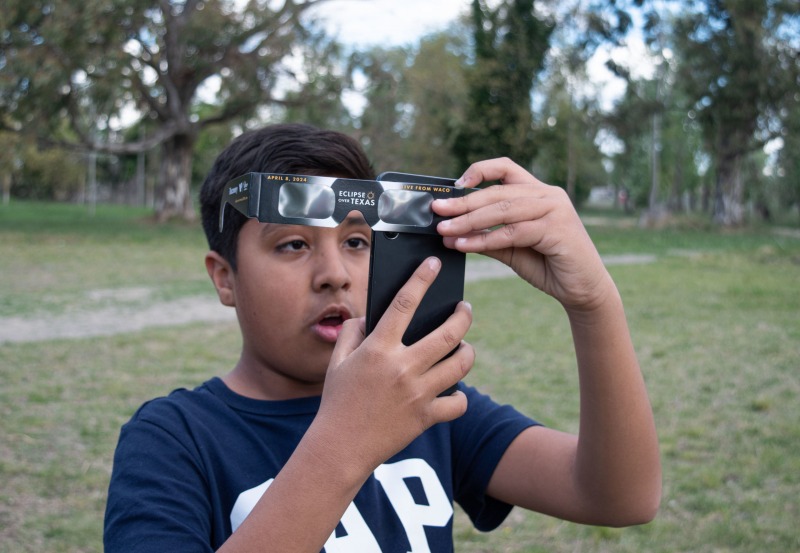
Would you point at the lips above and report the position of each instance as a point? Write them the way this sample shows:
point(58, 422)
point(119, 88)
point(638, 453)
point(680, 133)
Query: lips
point(329, 324)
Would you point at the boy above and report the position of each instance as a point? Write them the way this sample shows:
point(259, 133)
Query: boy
point(321, 437)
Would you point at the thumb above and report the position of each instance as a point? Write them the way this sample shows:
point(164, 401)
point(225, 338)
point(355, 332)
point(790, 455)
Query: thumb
point(353, 333)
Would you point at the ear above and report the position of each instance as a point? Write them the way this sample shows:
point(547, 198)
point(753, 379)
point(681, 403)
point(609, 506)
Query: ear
point(222, 275)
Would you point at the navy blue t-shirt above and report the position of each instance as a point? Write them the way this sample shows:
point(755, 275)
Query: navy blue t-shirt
point(189, 468)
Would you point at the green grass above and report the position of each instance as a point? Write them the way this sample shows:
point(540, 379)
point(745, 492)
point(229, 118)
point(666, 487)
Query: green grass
point(53, 255)
point(718, 336)
point(715, 321)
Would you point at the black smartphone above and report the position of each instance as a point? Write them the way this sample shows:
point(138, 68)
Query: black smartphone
point(395, 256)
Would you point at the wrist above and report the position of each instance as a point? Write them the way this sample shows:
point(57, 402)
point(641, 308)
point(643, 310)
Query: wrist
point(332, 452)
point(598, 302)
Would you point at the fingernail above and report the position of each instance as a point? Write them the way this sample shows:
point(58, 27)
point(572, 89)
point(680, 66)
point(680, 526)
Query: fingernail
point(444, 225)
point(461, 181)
point(434, 263)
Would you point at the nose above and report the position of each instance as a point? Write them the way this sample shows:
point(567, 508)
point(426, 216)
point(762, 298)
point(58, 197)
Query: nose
point(331, 271)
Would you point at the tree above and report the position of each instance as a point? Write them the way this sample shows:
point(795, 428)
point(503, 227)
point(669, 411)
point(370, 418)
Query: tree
point(49, 174)
point(788, 170)
point(568, 124)
point(95, 60)
point(662, 144)
point(413, 103)
point(435, 85)
point(568, 155)
point(385, 123)
point(569, 114)
point(9, 162)
point(327, 79)
point(630, 123)
point(510, 43)
point(729, 70)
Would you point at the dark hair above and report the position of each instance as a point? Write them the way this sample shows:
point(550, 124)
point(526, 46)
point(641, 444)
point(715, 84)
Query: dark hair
point(285, 148)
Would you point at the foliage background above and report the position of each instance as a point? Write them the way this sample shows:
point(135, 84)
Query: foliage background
point(707, 122)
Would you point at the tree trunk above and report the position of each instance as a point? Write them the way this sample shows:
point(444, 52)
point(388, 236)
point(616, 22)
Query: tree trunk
point(6, 188)
point(174, 198)
point(729, 192)
point(655, 165)
point(676, 203)
point(571, 161)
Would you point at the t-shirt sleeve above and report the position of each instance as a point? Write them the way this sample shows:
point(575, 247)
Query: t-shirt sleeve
point(480, 438)
point(157, 498)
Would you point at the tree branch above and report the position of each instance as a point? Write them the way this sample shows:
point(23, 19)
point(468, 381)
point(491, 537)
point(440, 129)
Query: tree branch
point(161, 134)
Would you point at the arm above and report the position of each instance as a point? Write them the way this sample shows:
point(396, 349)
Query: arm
point(378, 396)
point(610, 472)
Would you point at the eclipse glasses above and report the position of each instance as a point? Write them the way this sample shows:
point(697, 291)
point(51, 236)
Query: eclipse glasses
point(392, 203)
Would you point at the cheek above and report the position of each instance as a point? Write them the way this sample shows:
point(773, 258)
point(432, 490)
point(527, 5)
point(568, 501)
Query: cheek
point(359, 271)
point(263, 300)
point(361, 282)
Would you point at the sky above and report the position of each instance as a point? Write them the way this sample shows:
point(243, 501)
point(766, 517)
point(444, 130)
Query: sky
point(388, 22)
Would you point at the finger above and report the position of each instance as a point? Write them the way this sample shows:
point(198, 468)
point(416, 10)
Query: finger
point(352, 334)
point(502, 169)
point(497, 205)
point(444, 339)
point(450, 371)
point(394, 322)
point(505, 197)
point(525, 234)
point(447, 408)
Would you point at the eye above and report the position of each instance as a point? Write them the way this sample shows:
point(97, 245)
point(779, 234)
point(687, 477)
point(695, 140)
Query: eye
point(292, 246)
point(356, 242)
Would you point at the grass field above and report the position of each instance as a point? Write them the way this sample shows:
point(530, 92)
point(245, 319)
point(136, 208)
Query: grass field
point(715, 320)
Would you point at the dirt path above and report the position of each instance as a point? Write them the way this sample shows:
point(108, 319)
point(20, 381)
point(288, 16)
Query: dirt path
point(125, 318)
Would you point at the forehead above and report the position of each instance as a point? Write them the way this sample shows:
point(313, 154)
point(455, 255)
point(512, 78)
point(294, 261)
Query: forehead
point(354, 221)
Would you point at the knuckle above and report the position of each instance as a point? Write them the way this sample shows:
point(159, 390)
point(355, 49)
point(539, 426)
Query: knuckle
point(470, 217)
point(424, 274)
point(450, 338)
point(560, 193)
point(404, 303)
point(350, 324)
point(469, 352)
point(510, 230)
point(467, 358)
point(504, 205)
point(464, 366)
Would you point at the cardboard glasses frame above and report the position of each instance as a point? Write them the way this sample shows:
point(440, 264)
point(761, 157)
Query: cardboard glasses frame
point(389, 206)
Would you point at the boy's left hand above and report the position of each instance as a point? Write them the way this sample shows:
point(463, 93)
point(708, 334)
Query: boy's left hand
point(611, 474)
point(530, 226)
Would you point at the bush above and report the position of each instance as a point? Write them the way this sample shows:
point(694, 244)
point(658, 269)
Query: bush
point(49, 175)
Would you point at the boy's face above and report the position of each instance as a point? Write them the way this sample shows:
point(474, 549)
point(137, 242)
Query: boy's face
point(293, 289)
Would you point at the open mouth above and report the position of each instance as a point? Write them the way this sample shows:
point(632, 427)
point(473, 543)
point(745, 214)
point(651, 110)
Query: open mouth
point(332, 320)
point(330, 325)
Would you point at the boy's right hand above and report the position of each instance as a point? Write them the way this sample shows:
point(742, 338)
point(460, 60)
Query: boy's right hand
point(380, 394)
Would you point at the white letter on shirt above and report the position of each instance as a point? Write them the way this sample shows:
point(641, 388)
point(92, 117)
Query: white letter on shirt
point(413, 516)
point(359, 537)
